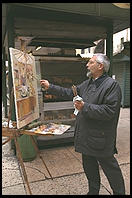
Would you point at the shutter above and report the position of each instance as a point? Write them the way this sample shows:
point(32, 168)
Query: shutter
point(118, 70)
point(126, 102)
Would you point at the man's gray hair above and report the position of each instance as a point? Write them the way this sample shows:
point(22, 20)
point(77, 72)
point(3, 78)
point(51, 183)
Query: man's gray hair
point(102, 58)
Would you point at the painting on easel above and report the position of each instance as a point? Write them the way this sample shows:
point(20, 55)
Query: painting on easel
point(25, 87)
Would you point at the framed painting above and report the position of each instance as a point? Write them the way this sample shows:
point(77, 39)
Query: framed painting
point(25, 87)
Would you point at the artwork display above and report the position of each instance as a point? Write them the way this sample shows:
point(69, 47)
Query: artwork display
point(25, 87)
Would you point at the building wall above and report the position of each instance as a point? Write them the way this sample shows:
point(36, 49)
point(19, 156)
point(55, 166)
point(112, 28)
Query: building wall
point(118, 38)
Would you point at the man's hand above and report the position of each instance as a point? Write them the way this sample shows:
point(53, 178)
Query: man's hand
point(79, 105)
point(45, 84)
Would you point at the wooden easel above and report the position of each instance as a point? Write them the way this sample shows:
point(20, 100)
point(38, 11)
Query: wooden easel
point(14, 134)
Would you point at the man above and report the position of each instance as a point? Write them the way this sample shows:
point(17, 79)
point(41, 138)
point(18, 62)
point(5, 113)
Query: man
point(96, 123)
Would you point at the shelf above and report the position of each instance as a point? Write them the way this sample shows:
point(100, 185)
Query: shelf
point(53, 106)
point(60, 121)
point(61, 58)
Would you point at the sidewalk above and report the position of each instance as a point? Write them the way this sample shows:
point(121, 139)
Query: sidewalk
point(65, 167)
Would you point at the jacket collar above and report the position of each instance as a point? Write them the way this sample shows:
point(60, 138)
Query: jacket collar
point(99, 80)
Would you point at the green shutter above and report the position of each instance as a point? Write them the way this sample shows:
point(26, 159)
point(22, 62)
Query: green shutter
point(121, 70)
point(126, 102)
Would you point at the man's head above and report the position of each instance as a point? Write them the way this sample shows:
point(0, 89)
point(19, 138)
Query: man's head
point(97, 65)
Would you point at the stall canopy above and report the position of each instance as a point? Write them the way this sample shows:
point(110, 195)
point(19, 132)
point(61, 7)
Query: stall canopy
point(75, 25)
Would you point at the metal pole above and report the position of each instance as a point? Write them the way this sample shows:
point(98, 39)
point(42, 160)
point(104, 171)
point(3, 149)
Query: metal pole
point(109, 46)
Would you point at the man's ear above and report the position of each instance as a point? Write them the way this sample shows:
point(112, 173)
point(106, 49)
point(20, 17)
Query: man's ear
point(101, 66)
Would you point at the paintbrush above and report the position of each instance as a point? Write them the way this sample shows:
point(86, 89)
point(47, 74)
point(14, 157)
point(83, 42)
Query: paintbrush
point(74, 89)
point(37, 77)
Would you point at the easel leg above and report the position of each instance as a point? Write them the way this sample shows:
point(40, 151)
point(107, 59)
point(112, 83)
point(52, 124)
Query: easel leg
point(37, 150)
point(21, 163)
point(7, 140)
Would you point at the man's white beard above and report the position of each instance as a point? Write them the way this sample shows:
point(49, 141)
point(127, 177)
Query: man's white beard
point(89, 74)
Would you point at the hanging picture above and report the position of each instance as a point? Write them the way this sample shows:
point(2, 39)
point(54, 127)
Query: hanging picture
point(25, 87)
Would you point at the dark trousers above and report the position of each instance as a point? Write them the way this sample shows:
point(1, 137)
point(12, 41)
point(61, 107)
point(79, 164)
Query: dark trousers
point(111, 170)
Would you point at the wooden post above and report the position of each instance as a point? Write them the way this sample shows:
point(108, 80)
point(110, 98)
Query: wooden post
point(109, 46)
point(4, 88)
point(11, 43)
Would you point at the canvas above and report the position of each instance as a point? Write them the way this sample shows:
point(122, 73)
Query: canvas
point(25, 87)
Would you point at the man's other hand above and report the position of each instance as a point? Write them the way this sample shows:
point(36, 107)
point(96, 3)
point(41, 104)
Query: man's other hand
point(44, 84)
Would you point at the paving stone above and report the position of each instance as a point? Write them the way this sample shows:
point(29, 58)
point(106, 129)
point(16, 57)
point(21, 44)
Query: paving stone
point(14, 190)
point(61, 162)
point(67, 185)
point(11, 177)
point(36, 170)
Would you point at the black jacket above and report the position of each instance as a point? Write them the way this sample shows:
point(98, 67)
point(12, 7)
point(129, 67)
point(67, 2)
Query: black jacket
point(96, 123)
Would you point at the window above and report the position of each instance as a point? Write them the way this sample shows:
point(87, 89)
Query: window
point(82, 51)
point(122, 41)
